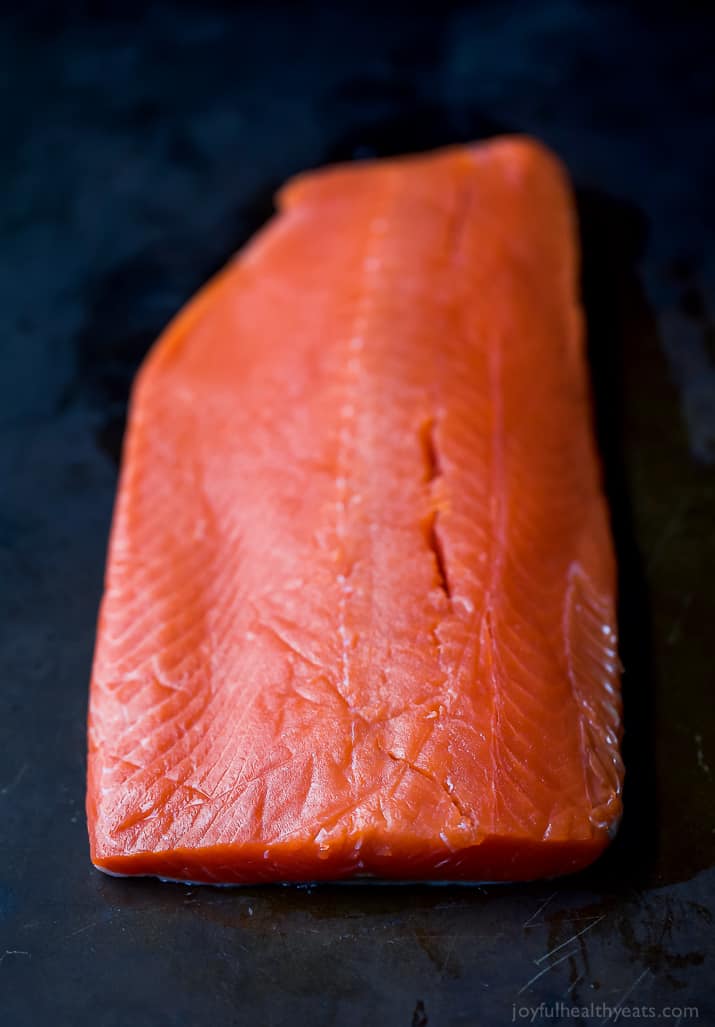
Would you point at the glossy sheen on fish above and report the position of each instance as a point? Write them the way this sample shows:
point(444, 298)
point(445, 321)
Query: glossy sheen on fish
point(359, 606)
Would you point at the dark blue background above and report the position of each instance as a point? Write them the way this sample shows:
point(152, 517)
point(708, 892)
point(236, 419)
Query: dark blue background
point(141, 144)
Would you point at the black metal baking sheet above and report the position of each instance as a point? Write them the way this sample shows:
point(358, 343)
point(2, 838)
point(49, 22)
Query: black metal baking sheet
point(140, 147)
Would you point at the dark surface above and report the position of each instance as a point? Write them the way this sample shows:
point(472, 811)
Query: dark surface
point(140, 148)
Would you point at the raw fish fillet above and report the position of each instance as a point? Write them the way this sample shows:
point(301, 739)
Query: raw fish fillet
point(359, 607)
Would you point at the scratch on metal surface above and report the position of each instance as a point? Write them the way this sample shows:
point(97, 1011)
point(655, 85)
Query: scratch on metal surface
point(700, 755)
point(546, 970)
point(542, 907)
point(88, 927)
point(448, 956)
point(568, 941)
point(626, 994)
point(16, 780)
point(12, 952)
point(571, 987)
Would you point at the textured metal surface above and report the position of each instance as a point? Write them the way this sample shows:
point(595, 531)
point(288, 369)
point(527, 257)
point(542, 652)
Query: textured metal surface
point(141, 145)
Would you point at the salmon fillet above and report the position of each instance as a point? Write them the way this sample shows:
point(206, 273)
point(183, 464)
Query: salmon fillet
point(359, 605)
